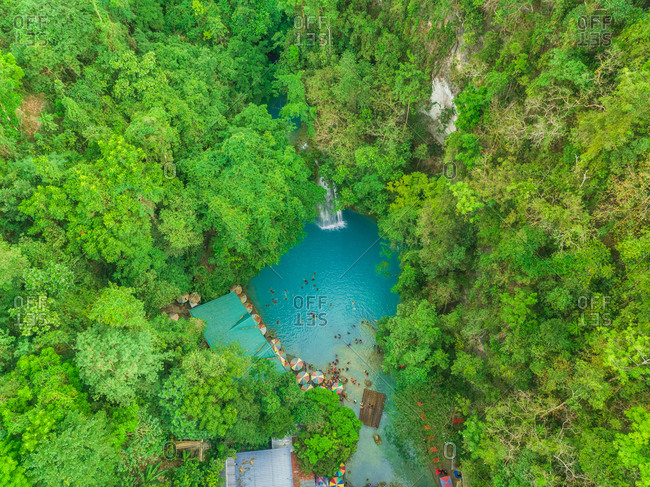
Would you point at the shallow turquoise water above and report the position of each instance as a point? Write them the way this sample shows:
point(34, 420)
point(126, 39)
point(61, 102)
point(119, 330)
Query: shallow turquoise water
point(346, 289)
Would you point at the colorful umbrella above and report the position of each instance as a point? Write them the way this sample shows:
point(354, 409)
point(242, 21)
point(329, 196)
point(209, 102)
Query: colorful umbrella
point(257, 318)
point(446, 482)
point(237, 289)
point(249, 307)
point(341, 470)
point(262, 328)
point(306, 387)
point(283, 361)
point(317, 377)
point(276, 346)
point(302, 377)
point(336, 482)
point(337, 387)
point(243, 298)
point(297, 364)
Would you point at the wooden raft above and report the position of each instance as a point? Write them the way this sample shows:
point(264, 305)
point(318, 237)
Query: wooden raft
point(373, 408)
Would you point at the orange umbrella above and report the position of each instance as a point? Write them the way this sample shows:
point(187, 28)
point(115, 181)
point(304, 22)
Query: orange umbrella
point(427, 427)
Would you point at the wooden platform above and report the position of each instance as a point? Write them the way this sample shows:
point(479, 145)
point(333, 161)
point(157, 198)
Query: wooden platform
point(193, 446)
point(373, 408)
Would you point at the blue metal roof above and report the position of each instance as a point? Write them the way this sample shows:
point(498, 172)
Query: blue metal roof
point(264, 468)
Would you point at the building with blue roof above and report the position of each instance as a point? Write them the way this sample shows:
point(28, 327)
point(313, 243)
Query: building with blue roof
point(263, 468)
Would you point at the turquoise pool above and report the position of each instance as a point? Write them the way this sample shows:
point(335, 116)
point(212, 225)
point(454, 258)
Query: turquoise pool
point(333, 274)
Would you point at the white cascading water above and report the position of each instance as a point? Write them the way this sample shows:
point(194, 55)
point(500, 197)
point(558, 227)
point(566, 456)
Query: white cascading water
point(328, 218)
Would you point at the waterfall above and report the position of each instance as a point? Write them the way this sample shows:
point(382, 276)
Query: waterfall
point(328, 218)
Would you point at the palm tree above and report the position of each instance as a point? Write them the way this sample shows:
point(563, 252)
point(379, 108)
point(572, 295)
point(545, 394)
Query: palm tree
point(153, 473)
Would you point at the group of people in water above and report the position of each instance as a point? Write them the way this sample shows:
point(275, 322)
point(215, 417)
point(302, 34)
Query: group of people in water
point(335, 372)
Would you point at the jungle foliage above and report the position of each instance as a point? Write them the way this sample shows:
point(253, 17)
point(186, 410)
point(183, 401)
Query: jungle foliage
point(138, 163)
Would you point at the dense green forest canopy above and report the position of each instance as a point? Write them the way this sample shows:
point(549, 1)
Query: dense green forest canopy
point(138, 162)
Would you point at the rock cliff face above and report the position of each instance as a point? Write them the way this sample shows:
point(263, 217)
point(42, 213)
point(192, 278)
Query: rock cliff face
point(443, 112)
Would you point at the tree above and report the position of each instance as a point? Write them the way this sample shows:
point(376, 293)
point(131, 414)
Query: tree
point(266, 404)
point(409, 81)
point(118, 365)
point(143, 446)
point(414, 342)
point(104, 208)
point(634, 447)
point(10, 84)
point(6, 349)
point(198, 400)
point(253, 191)
point(37, 395)
point(12, 474)
point(79, 454)
point(192, 473)
point(116, 306)
point(329, 432)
